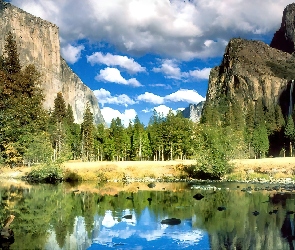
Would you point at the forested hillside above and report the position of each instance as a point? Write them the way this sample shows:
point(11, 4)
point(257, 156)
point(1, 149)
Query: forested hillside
point(30, 135)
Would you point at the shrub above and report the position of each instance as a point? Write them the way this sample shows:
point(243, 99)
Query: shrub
point(70, 176)
point(47, 173)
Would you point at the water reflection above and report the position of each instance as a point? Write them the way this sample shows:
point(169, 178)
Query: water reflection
point(129, 217)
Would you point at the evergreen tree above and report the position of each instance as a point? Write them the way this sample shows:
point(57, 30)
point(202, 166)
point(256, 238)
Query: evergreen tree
point(140, 142)
point(100, 141)
point(59, 111)
point(260, 141)
point(10, 57)
point(259, 112)
point(290, 133)
point(117, 133)
point(69, 115)
point(280, 121)
point(87, 134)
point(21, 111)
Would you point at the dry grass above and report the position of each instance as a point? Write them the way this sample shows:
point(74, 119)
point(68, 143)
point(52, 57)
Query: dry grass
point(279, 167)
point(101, 171)
point(132, 169)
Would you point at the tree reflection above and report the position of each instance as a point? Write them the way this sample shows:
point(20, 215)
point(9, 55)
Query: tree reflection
point(44, 209)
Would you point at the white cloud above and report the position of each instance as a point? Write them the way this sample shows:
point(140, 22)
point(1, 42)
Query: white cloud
point(161, 85)
point(109, 114)
point(71, 53)
point(176, 29)
point(169, 68)
point(116, 60)
point(114, 75)
point(146, 110)
point(105, 96)
point(185, 95)
point(200, 73)
point(150, 97)
point(162, 109)
point(182, 95)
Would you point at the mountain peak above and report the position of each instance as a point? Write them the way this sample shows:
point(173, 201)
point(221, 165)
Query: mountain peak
point(284, 38)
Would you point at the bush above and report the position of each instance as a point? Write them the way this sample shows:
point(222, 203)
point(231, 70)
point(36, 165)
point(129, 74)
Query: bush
point(69, 176)
point(47, 173)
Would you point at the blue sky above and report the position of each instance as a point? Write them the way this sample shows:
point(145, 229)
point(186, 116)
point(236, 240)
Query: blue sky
point(140, 55)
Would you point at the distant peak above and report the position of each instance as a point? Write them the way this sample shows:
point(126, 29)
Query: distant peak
point(284, 38)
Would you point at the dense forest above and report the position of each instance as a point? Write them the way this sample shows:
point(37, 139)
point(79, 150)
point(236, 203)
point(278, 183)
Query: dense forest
point(29, 134)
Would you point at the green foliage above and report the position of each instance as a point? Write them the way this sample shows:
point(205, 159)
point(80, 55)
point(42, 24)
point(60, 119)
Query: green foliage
point(214, 148)
point(39, 150)
point(282, 69)
point(260, 141)
point(46, 173)
point(70, 176)
point(11, 63)
point(21, 109)
point(87, 134)
point(289, 129)
point(60, 112)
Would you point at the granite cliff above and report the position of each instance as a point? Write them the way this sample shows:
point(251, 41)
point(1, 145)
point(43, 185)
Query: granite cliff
point(38, 43)
point(251, 70)
point(193, 112)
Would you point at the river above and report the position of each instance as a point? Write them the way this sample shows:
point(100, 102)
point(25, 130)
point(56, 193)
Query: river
point(135, 216)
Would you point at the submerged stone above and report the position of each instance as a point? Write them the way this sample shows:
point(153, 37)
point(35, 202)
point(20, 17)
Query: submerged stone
point(172, 221)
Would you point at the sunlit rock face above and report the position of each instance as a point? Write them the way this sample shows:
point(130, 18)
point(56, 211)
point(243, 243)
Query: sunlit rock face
point(38, 43)
point(251, 69)
point(193, 111)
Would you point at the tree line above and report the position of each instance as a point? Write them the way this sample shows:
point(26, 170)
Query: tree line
point(30, 134)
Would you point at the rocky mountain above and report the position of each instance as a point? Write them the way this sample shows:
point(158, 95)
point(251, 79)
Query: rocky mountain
point(252, 69)
point(38, 43)
point(284, 38)
point(193, 111)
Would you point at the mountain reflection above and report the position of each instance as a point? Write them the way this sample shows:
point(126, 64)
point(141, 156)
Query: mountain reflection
point(55, 217)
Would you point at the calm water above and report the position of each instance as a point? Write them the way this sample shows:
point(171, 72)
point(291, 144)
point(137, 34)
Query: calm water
point(127, 217)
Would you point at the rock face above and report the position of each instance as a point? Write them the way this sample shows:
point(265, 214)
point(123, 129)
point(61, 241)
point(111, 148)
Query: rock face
point(251, 70)
point(193, 111)
point(38, 43)
point(284, 38)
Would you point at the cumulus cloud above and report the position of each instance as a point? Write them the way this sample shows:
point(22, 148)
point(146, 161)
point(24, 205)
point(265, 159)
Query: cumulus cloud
point(109, 114)
point(150, 97)
point(169, 68)
point(182, 95)
point(116, 60)
point(176, 29)
point(104, 96)
point(71, 53)
point(185, 95)
point(162, 109)
point(200, 73)
point(113, 75)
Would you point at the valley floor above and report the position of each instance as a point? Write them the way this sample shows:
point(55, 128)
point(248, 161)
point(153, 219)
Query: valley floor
point(275, 167)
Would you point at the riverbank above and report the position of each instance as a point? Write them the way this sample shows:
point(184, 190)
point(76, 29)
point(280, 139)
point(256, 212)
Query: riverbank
point(244, 169)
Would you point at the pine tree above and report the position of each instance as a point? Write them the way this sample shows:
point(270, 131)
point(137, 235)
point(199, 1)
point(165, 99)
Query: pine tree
point(87, 134)
point(290, 132)
point(260, 141)
point(21, 111)
point(69, 115)
point(11, 56)
point(59, 110)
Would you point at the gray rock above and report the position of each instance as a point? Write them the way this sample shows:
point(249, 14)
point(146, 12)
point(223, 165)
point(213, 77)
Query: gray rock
point(38, 43)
